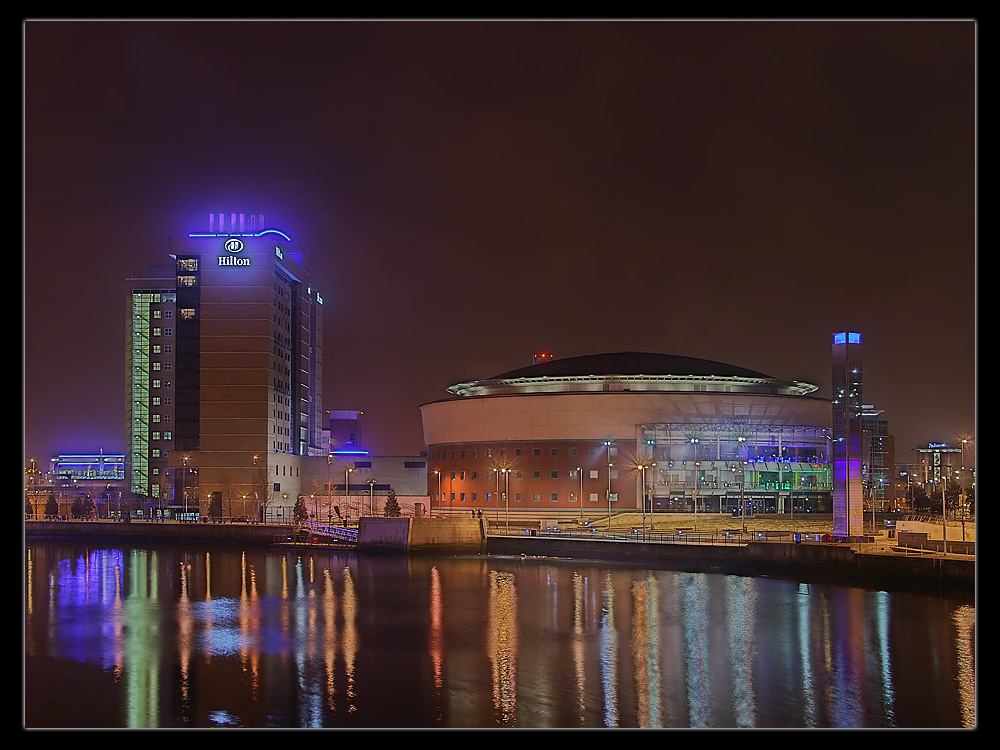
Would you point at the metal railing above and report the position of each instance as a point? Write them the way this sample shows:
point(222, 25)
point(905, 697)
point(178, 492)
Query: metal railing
point(338, 533)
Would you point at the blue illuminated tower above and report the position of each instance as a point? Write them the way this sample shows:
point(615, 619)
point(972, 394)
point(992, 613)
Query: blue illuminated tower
point(848, 497)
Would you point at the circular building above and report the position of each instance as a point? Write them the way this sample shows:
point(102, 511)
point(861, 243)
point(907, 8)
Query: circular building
point(627, 431)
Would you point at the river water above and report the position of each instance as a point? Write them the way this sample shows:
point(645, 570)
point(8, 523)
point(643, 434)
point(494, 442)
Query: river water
point(188, 636)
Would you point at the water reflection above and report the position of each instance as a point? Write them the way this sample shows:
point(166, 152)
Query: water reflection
point(266, 638)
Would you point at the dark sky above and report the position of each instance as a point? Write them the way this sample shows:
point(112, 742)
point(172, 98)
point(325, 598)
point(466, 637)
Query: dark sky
point(467, 193)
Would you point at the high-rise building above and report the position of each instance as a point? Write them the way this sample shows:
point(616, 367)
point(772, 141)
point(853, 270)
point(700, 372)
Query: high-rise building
point(225, 371)
point(848, 428)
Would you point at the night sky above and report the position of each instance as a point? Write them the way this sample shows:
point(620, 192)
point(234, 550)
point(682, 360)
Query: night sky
point(469, 192)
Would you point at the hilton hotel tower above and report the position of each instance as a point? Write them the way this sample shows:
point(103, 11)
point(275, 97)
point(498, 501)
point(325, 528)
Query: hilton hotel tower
point(224, 374)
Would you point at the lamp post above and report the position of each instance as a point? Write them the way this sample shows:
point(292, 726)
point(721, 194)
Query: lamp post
point(183, 486)
point(347, 486)
point(642, 468)
point(607, 443)
point(579, 471)
point(253, 489)
point(329, 487)
point(743, 505)
point(697, 467)
point(439, 489)
point(371, 497)
point(944, 512)
point(506, 497)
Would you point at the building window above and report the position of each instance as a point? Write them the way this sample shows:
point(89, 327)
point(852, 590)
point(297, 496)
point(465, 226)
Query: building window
point(517, 497)
point(186, 313)
point(593, 497)
point(536, 474)
point(462, 497)
point(536, 451)
point(157, 331)
point(593, 473)
point(475, 453)
point(571, 451)
point(187, 281)
point(553, 497)
point(553, 474)
point(553, 451)
point(517, 452)
point(473, 497)
point(452, 475)
point(475, 475)
point(156, 383)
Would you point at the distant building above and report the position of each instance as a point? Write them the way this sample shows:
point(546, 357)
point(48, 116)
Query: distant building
point(879, 459)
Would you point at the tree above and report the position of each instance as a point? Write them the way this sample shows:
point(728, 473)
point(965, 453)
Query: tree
point(300, 512)
point(52, 506)
point(391, 509)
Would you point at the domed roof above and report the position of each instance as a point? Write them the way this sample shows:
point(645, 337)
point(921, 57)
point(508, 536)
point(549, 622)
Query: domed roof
point(630, 371)
point(629, 363)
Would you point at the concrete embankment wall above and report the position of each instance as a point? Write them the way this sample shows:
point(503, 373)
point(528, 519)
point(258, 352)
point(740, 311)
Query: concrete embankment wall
point(453, 535)
point(835, 563)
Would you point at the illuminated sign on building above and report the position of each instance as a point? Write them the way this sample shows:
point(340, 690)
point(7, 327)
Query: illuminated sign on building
point(233, 245)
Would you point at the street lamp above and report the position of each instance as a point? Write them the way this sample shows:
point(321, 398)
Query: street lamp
point(347, 486)
point(439, 489)
point(184, 488)
point(506, 497)
point(371, 497)
point(579, 471)
point(642, 468)
point(608, 444)
point(496, 474)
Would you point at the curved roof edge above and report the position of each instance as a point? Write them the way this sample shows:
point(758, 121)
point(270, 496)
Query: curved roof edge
point(631, 371)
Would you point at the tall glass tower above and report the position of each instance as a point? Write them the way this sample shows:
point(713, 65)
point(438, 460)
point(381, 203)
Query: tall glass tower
point(848, 428)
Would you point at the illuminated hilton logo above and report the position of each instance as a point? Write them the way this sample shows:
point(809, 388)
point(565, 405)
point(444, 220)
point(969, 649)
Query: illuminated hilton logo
point(233, 245)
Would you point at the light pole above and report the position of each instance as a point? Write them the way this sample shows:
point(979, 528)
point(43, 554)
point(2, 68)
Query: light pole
point(329, 487)
point(371, 497)
point(944, 511)
point(579, 471)
point(506, 497)
point(347, 486)
point(743, 505)
point(642, 468)
point(439, 489)
point(253, 489)
point(184, 488)
point(697, 467)
point(607, 443)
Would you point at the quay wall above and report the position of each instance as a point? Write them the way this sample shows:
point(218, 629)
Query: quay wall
point(833, 563)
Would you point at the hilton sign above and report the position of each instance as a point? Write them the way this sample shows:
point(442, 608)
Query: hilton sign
point(233, 245)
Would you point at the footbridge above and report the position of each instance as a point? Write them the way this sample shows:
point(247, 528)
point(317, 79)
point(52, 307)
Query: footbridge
point(339, 533)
